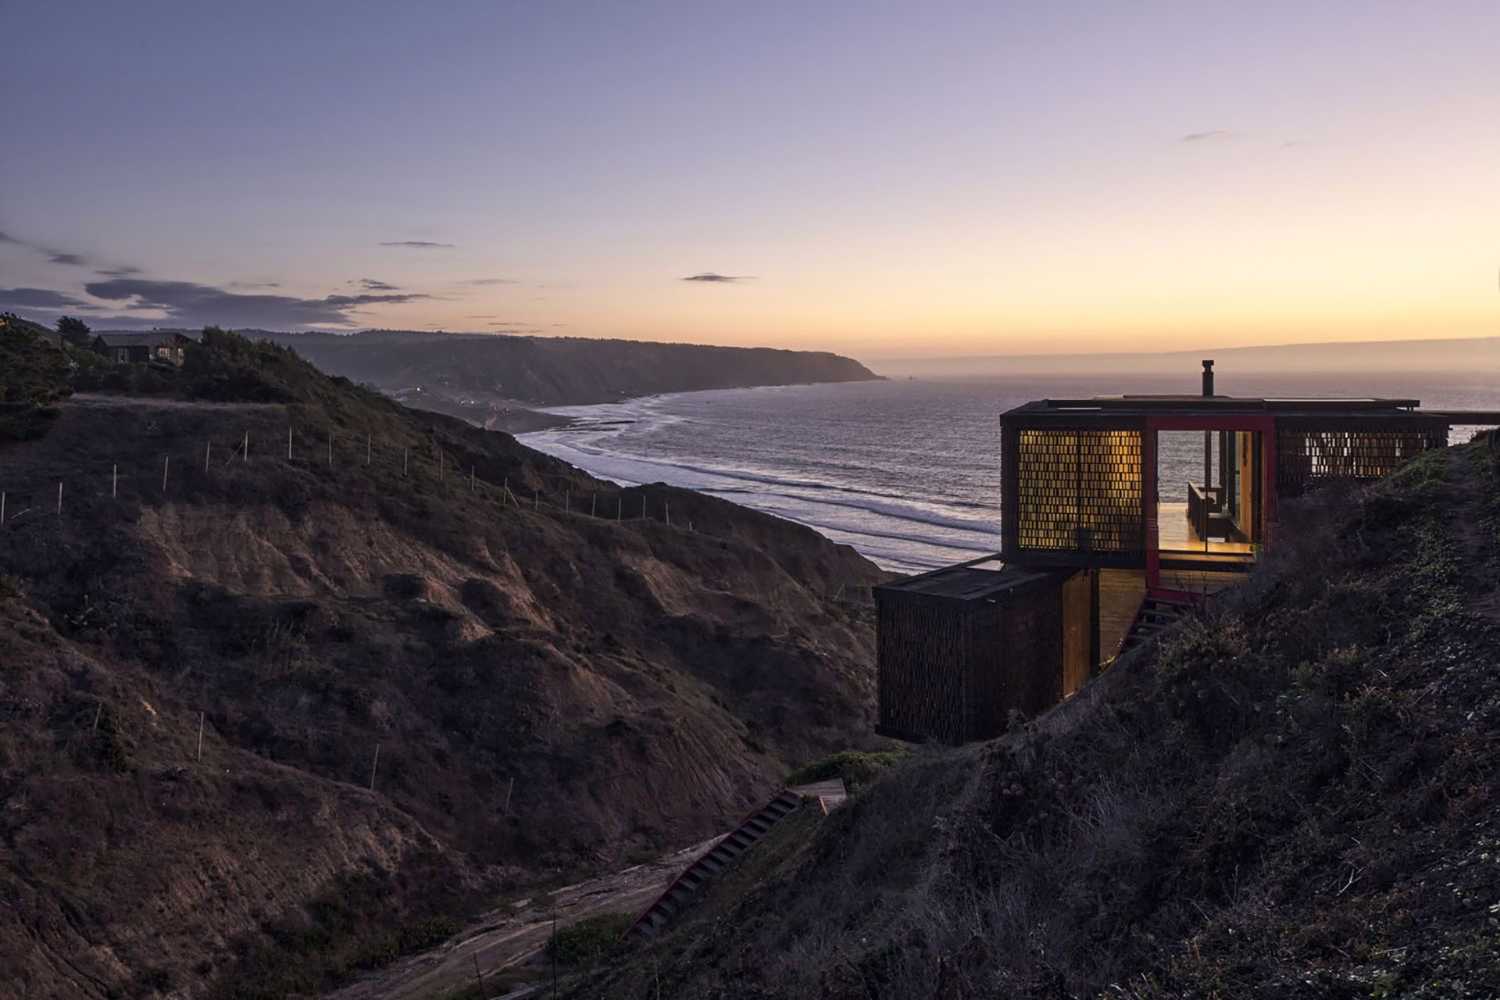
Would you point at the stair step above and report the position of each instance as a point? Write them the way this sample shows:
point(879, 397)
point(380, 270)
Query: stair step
point(1168, 602)
point(723, 854)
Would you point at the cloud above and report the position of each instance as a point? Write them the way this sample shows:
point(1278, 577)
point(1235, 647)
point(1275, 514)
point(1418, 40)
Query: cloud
point(37, 298)
point(117, 272)
point(419, 245)
point(64, 257)
point(488, 281)
point(711, 278)
point(371, 285)
point(347, 301)
point(190, 304)
point(1212, 135)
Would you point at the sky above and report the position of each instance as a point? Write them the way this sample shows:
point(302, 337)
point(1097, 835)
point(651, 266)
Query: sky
point(883, 180)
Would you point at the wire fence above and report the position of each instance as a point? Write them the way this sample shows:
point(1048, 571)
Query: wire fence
point(23, 501)
point(183, 472)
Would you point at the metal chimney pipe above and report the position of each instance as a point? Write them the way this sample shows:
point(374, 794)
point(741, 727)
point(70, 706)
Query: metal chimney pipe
point(1208, 442)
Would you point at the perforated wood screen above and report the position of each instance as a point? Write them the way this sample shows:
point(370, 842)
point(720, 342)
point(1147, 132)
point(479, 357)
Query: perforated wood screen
point(1308, 459)
point(1078, 489)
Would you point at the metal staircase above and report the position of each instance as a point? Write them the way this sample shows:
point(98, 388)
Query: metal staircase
point(1155, 615)
point(723, 854)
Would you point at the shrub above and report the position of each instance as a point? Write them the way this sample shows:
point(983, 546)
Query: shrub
point(589, 940)
point(856, 767)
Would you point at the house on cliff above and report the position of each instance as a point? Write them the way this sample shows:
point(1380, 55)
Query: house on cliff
point(1093, 560)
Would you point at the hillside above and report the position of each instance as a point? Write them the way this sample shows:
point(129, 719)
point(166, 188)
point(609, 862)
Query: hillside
point(534, 691)
point(1294, 795)
point(475, 375)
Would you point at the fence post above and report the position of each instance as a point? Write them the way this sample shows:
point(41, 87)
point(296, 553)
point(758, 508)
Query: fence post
point(166, 461)
point(330, 449)
point(114, 481)
point(200, 735)
point(367, 447)
point(667, 506)
point(2, 507)
point(567, 501)
point(59, 498)
point(288, 442)
point(442, 473)
point(247, 446)
point(620, 508)
point(405, 454)
point(471, 479)
point(207, 450)
point(536, 500)
point(373, 765)
point(593, 505)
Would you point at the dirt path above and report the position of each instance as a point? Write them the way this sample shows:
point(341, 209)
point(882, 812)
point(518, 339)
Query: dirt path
point(505, 939)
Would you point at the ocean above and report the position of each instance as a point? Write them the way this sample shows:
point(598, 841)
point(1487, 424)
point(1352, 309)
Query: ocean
point(907, 470)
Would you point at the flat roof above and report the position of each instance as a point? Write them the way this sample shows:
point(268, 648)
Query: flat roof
point(979, 580)
point(1361, 404)
point(1286, 406)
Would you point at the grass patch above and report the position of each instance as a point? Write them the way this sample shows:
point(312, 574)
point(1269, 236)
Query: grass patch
point(857, 767)
point(589, 940)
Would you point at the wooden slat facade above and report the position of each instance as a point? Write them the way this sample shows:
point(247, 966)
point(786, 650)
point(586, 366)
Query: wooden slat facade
point(1314, 453)
point(958, 653)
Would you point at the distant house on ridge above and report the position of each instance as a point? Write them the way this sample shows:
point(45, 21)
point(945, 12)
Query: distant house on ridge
point(142, 348)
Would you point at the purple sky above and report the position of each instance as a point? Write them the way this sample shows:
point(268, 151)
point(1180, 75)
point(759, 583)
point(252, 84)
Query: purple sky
point(896, 179)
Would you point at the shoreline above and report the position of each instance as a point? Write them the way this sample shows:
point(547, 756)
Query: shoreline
point(517, 417)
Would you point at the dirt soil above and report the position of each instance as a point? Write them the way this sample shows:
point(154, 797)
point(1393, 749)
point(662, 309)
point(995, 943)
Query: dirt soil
point(416, 699)
point(511, 939)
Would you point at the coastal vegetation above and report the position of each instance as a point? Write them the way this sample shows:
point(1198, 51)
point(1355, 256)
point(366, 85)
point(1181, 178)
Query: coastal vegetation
point(1290, 794)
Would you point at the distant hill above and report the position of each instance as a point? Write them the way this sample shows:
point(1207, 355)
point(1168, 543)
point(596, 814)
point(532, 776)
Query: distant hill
point(477, 370)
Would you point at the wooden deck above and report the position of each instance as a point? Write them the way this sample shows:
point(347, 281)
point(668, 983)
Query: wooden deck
point(1178, 534)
